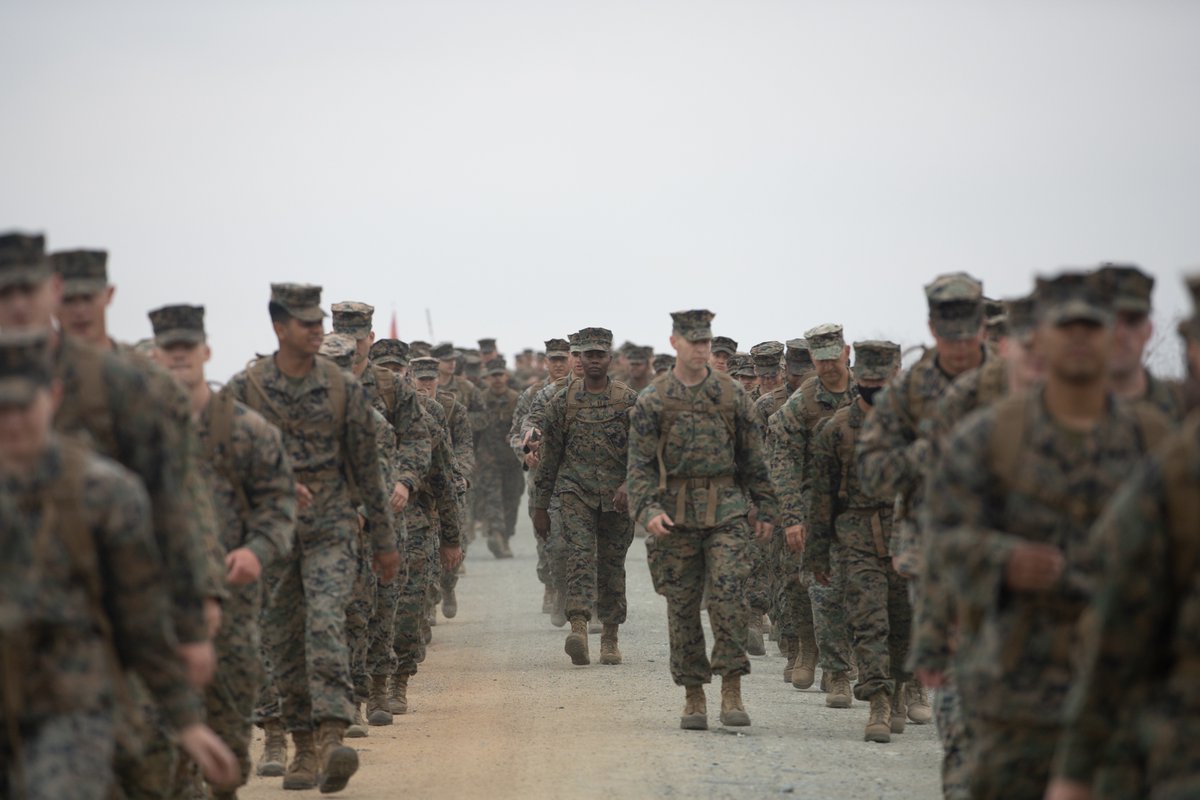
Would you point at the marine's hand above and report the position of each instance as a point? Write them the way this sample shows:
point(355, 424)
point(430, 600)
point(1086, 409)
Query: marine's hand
point(399, 498)
point(304, 497)
point(931, 678)
point(796, 535)
point(621, 500)
point(212, 617)
point(659, 525)
point(214, 758)
point(386, 565)
point(763, 530)
point(1033, 567)
point(451, 555)
point(199, 662)
point(242, 567)
point(541, 523)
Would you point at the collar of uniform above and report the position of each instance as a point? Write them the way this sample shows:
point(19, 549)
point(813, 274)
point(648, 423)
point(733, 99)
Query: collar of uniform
point(316, 377)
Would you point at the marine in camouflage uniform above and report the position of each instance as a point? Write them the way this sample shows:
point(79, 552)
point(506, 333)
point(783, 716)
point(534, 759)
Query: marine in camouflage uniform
point(583, 462)
point(244, 464)
point(893, 457)
point(469, 395)
point(723, 349)
point(1141, 636)
point(434, 538)
point(741, 367)
point(792, 428)
point(695, 465)
point(501, 481)
point(82, 598)
point(876, 600)
point(662, 363)
point(638, 359)
point(330, 434)
point(1010, 506)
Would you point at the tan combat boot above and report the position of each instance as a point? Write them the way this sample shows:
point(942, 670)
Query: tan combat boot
point(449, 604)
point(899, 710)
point(358, 728)
point(338, 762)
point(879, 723)
point(804, 673)
point(302, 772)
point(755, 645)
point(274, 758)
point(594, 625)
point(378, 712)
point(398, 696)
point(839, 695)
point(919, 710)
point(695, 710)
point(733, 713)
point(791, 649)
point(577, 642)
point(558, 615)
point(609, 652)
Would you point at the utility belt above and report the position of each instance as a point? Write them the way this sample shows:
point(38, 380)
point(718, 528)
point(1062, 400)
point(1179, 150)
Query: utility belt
point(681, 486)
point(875, 516)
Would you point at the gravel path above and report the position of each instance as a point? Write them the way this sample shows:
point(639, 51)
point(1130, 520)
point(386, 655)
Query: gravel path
point(498, 711)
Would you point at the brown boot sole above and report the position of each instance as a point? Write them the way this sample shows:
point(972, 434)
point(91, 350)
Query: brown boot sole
point(694, 722)
point(576, 647)
point(610, 659)
point(799, 681)
point(880, 736)
point(356, 732)
point(298, 782)
point(379, 717)
point(343, 762)
point(270, 769)
point(919, 715)
point(897, 723)
point(735, 719)
point(837, 701)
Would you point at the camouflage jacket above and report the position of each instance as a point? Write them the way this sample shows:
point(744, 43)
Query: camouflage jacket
point(585, 445)
point(702, 452)
point(516, 431)
point(110, 405)
point(250, 478)
point(1142, 638)
point(491, 441)
point(402, 411)
point(436, 503)
point(461, 436)
point(79, 578)
point(1014, 656)
point(1165, 396)
point(792, 429)
point(469, 395)
point(324, 458)
point(838, 508)
point(768, 404)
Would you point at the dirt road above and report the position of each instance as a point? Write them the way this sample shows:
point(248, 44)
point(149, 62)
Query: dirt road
point(498, 711)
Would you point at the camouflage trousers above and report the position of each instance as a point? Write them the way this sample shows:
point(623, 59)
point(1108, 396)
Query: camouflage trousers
point(379, 658)
point(359, 612)
point(229, 701)
point(552, 565)
point(306, 619)
point(65, 757)
point(955, 737)
point(1010, 761)
point(829, 615)
point(880, 620)
point(595, 544)
point(498, 495)
point(408, 647)
point(679, 563)
point(147, 763)
point(759, 581)
point(791, 605)
point(268, 697)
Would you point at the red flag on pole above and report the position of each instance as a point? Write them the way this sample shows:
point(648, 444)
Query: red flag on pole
point(392, 332)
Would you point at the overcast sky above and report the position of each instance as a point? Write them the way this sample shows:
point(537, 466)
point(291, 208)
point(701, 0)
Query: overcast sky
point(523, 169)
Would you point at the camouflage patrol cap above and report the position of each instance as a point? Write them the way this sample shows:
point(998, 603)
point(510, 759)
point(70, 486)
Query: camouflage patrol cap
point(875, 360)
point(424, 368)
point(419, 349)
point(993, 309)
point(663, 361)
point(573, 343)
point(300, 300)
point(25, 366)
point(557, 348)
point(595, 339)
point(1130, 287)
point(83, 272)
point(340, 348)
point(799, 360)
point(955, 305)
point(742, 364)
point(639, 354)
point(1190, 327)
point(444, 351)
point(487, 345)
point(389, 351)
point(353, 319)
point(1074, 296)
point(694, 325)
point(825, 342)
point(723, 344)
point(178, 324)
point(23, 259)
point(765, 357)
point(1021, 315)
point(496, 366)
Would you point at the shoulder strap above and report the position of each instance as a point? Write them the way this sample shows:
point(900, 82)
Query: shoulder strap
point(221, 411)
point(1152, 424)
point(257, 397)
point(388, 388)
point(1008, 438)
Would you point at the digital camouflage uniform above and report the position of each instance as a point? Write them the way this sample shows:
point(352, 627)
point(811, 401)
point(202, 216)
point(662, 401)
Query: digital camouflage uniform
point(793, 427)
point(500, 480)
point(877, 604)
point(765, 359)
point(713, 469)
point(584, 456)
point(328, 447)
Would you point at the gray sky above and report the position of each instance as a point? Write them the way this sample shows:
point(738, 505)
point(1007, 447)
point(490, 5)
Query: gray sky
point(528, 168)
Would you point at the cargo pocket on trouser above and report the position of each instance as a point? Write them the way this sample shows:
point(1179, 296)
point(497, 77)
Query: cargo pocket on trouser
point(654, 559)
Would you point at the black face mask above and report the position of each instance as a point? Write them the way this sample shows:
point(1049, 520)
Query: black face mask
point(867, 393)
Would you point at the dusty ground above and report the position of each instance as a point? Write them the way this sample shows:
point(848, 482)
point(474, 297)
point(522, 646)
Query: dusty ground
point(498, 711)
